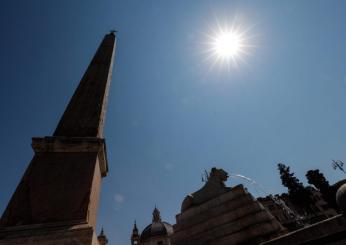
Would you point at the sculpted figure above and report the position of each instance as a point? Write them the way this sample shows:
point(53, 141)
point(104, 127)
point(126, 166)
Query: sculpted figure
point(214, 187)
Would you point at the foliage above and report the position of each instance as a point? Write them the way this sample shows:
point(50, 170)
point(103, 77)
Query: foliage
point(297, 193)
point(316, 178)
point(288, 179)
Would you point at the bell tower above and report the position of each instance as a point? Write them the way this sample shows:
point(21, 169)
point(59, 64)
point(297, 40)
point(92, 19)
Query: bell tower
point(102, 238)
point(56, 200)
point(135, 238)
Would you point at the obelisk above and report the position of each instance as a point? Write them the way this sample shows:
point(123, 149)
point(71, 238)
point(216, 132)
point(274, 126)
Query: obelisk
point(56, 200)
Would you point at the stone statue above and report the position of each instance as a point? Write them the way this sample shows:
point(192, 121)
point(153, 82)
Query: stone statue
point(214, 187)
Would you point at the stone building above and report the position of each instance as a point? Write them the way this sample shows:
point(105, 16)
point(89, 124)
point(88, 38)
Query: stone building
point(157, 233)
point(219, 215)
point(56, 200)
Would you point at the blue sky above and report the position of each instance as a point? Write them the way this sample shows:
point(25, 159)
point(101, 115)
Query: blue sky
point(170, 115)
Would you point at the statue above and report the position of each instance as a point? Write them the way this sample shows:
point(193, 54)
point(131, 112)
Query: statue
point(214, 186)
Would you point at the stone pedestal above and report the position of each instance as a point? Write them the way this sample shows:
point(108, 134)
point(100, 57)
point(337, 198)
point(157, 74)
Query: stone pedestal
point(58, 194)
point(49, 234)
point(234, 217)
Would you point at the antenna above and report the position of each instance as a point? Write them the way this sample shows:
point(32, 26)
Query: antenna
point(338, 164)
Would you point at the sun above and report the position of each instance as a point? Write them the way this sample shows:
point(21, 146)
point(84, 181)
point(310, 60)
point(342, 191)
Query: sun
point(227, 45)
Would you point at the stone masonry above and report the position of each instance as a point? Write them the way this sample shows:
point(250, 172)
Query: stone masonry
point(232, 217)
point(56, 200)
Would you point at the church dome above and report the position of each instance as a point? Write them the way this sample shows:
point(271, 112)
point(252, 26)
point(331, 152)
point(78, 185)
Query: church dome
point(157, 228)
point(341, 197)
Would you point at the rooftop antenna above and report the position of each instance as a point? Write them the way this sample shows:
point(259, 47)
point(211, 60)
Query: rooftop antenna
point(338, 164)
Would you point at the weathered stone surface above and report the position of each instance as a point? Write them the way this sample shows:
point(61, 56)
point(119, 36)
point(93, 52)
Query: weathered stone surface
point(233, 228)
point(329, 231)
point(234, 217)
point(241, 207)
point(80, 235)
point(56, 187)
point(215, 186)
point(253, 234)
point(73, 144)
point(236, 194)
point(85, 114)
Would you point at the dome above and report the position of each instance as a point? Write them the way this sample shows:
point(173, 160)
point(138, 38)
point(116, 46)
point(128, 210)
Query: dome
point(338, 184)
point(341, 197)
point(156, 229)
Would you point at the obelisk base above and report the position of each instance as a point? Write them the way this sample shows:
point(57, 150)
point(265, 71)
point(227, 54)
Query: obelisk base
point(48, 235)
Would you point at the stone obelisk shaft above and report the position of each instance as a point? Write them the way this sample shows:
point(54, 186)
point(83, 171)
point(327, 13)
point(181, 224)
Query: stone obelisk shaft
point(57, 198)
point(84, 116)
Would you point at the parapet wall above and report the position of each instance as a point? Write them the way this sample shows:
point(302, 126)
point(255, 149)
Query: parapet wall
point(329, 231)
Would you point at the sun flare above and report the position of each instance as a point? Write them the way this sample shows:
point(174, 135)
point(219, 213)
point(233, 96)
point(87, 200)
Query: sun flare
point(227, 45)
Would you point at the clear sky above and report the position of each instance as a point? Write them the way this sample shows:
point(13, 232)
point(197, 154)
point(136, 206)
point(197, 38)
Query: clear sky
point(171, 114)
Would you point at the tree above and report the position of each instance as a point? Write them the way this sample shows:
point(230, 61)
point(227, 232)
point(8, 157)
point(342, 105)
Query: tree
point(288, 179)
point(297, 193)
point(316, 178)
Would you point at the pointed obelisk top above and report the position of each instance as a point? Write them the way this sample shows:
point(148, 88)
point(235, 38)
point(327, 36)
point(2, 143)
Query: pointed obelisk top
point(85, 114)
